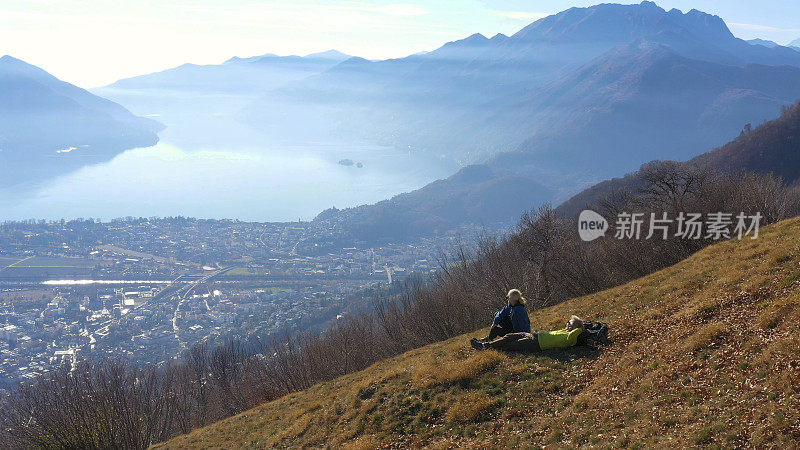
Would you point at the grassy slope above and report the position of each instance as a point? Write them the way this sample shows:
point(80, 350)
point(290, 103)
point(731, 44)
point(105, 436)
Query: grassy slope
point(705, 352)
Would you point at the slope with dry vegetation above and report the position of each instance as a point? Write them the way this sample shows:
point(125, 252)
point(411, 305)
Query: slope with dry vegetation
point(704, 353)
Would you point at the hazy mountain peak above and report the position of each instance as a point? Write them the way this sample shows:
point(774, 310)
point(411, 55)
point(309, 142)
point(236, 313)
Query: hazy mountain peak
point(707, 24)
point(795, 43)
point(621, 23)
point(17, 67)
point(329, 54)
point(476, 37)
point(471, 40)
point(8, 60)
point(466, 48)
point(237, 59)
point(355, 60)
point(647, 5)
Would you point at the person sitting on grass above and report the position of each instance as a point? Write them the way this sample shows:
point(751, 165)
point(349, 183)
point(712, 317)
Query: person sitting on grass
point(513, 318)
point(535, 342)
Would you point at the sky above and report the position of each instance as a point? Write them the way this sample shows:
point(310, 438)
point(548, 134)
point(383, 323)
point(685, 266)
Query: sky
point(96, 42)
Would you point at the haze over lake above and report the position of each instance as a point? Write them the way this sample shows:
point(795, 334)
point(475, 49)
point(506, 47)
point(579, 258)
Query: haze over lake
point(208, 165)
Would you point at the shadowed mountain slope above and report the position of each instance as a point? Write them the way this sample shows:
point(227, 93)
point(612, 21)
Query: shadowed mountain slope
point(773, 147)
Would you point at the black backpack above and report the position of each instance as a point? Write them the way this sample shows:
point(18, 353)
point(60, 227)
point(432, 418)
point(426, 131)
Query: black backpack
point(594, 333)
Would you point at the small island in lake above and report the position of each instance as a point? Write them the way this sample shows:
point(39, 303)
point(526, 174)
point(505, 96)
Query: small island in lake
point(350, 162)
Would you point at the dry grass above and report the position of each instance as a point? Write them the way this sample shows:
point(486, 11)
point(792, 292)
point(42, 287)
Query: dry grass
point(471, 407)
point(704, 354)
point(366, 442)
point(775, 315)
point(705, 336)
point(440, 371)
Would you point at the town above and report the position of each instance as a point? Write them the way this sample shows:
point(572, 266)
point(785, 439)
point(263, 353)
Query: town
point(147, 290)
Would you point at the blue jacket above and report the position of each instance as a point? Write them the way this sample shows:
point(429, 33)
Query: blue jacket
point(516, 316)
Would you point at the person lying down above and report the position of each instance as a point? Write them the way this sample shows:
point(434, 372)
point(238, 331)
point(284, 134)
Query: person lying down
point(511, 330)
point(534, 342)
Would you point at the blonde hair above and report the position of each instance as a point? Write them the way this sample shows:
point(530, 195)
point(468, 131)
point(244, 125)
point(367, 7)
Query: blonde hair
point(517, 295)
point(576, 321)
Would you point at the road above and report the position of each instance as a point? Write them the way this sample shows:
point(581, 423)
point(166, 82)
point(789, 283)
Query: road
point(102, 331)
point(171, 290)
point(185, 297)
point(16, 262)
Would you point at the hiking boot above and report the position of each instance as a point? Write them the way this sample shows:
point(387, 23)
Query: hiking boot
point(476, 344)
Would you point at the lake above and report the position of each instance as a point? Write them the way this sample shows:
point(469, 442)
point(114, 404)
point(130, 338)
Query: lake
point(208, 165)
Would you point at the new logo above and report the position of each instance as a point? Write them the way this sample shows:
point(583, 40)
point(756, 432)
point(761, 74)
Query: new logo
point(591, 225)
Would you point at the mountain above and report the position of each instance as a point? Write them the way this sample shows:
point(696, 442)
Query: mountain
point(476, 194)
point(463, 99)
point(703, 354)
point(795, 43)
point(48, 126)
point(773, 147)
point(572, 99)
point(770, 147)
point(252, 75)
point(331, 55)
point(641, 102)
point(764, 42)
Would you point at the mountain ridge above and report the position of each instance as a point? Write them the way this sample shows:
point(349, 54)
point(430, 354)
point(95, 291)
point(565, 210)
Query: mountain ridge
point(236, 75)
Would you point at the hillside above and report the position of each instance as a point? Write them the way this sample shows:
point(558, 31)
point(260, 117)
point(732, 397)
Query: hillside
point(703, 352)
point(772, 147)
point(48, 126)
point(476, 194)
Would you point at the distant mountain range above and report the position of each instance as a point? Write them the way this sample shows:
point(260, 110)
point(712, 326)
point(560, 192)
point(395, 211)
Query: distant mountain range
point(48, 127)
point(568, 100)
point(478, 195)
point(252, 75)
point(571, 99)
point(764, 42)
point(795, 44)
point(474, 98)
